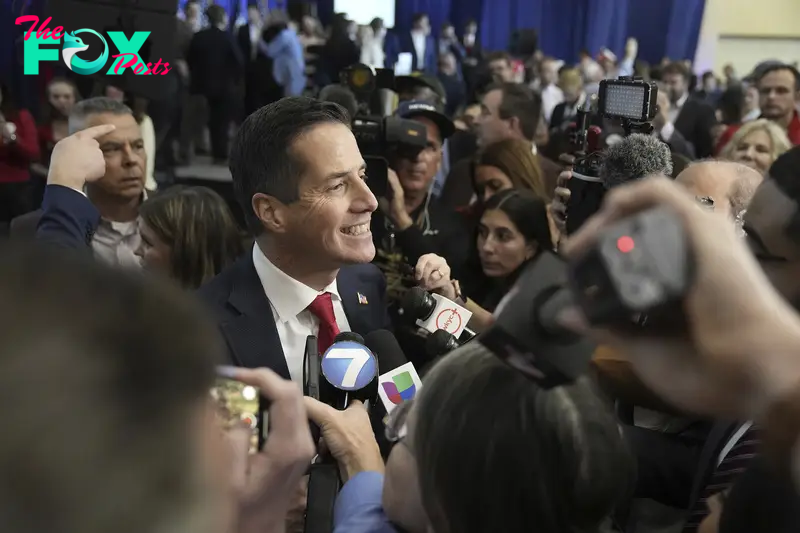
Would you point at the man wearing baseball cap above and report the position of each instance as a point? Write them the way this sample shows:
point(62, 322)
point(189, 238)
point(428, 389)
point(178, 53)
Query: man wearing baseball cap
point(412, 223)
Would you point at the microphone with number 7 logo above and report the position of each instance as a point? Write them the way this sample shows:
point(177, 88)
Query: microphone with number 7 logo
point(351, 370)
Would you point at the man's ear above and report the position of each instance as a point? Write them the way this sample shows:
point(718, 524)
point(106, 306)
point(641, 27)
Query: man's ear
point(530, 251)
point(271, 212)
point(514, 125)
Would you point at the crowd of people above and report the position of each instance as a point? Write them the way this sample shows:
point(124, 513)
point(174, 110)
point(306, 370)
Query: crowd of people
point(144, 287)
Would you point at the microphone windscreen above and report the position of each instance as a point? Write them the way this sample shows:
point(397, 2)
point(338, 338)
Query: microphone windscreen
point(414, 303)
point(635, 157)
point(386, 348)
point(351, 336)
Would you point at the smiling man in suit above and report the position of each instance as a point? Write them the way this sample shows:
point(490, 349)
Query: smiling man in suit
point(299, 175)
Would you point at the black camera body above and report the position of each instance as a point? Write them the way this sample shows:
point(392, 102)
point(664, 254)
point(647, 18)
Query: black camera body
point(380, 138)
point(631, 101)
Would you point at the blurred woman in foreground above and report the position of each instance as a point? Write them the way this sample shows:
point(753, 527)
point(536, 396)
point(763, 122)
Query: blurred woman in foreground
point(189, 235)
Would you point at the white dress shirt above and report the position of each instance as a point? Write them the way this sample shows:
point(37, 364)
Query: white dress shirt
point(551, 97)
point(420, 41)
point(289, 300)
point(675, 109)
point(255, 39)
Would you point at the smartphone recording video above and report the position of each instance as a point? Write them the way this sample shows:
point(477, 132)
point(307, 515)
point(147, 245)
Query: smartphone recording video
point(240, 404)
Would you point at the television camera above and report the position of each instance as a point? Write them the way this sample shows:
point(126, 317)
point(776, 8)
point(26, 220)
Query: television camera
point(628, 101)
point(380, 138)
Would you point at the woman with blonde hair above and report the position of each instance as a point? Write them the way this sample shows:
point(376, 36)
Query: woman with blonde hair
point(757, 144)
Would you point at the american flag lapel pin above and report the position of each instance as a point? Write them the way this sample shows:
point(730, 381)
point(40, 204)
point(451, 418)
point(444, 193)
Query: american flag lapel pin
point(362, 300)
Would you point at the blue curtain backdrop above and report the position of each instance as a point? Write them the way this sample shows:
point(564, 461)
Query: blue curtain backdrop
point(663, 27)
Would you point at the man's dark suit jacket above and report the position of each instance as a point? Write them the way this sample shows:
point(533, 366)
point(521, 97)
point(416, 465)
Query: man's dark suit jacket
point(260, 85)
point(67, 219)
point(244, 314)
point(215, 62)
point(695, 122)
point(406, 45)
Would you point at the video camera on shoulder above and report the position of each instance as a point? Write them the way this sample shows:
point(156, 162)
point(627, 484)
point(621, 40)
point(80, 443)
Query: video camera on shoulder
point(380, 137)
point(626, 100)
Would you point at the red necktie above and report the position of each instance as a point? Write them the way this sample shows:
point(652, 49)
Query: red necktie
point(322, 308)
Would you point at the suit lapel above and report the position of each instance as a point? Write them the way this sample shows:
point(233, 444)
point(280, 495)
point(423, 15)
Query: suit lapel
point(356, 305)
point(252, 336)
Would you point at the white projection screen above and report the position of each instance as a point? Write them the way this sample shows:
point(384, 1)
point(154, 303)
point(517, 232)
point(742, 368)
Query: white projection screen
point(363, 11)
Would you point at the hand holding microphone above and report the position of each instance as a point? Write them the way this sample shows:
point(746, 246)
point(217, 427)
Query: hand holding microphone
point(432, 273)
point(558, 208)
point(348, 437)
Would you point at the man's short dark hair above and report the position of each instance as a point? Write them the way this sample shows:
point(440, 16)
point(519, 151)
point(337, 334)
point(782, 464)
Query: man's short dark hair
point(376, 24)
point(263, 160)
point(341, 95)
point(418, 17)
point(676, 67)
point(498, 56)
point(521, 102)
point(103, 371)
point(785, 171)
point(215, 14)
point(778, 67)
point(99, 105)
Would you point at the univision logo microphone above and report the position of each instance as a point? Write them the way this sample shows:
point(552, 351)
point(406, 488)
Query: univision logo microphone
point(349, 366)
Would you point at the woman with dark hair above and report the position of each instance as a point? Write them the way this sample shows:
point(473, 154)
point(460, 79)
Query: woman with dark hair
point(188, 234)
point(19, 148)
point(513, 230)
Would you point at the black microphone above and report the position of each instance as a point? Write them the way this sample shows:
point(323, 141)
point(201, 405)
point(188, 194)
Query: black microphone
point(433, 312)
point(440, 342)
point(311, 363)
point(634, 157)
point(350, 371)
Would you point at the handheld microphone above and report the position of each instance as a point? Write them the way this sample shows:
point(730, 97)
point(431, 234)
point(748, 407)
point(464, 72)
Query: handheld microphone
point(311, 363)
point(634, 157)
point(433, 312)
point(349, 369)
point(399, 381)
point(440, 342)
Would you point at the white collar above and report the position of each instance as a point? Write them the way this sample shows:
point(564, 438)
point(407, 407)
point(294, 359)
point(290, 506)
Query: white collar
point(682, 100)
point(288, 296)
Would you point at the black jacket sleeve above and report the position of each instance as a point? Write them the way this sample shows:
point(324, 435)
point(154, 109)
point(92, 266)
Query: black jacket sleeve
point(451, 241)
